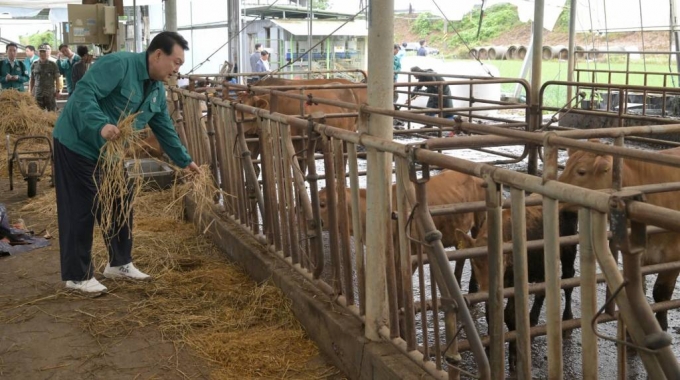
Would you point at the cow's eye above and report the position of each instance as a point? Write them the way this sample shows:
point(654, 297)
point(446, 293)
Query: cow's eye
point(581, 171)
point(322, 205)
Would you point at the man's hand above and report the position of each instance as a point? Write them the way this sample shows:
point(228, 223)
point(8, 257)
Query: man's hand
point(110, 132)
point(194, 168)
point(8, 77)
point(59, 55)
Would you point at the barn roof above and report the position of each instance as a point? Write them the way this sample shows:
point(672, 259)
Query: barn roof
point(324, 27)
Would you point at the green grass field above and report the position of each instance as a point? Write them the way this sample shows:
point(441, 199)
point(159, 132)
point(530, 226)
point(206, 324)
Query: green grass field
point(557, 70)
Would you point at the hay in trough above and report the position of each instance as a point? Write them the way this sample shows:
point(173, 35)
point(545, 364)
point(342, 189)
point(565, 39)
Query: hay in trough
point(198, 300)
point(202, 189)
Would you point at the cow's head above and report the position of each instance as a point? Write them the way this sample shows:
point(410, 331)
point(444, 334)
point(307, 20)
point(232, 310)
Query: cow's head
point(248, 120)
point(480, 265)
point(323, 208)
point(589, 170)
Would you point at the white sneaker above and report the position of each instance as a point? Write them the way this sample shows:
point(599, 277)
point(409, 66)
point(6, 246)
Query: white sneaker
point(125, 271)
point(91, 286)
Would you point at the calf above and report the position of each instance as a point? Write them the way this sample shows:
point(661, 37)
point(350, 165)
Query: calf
point(594, 171)
point(568, 223)
point(448, 187)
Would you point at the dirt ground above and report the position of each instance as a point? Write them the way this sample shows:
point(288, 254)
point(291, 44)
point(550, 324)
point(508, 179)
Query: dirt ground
point(154, 330)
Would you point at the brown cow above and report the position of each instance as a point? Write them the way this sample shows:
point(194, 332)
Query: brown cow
point(448, 187)
point(568, 224)
point(149, 147)
point(594, 171)
point(359, 93)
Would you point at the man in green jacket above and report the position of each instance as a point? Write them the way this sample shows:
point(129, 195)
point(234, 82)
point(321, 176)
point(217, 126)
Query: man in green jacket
point(117, 85)
point(13, 73)
point(65, 60)
point(31, 57)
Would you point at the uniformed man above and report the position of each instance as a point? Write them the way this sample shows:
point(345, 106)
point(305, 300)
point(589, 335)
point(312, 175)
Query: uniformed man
point(13, 73)
point(65, 60)
point(120, 82)
point(44, 84)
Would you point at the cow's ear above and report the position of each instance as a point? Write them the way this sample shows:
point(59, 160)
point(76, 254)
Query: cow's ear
point(464, 240)
point(261, 103)
point(603, 164)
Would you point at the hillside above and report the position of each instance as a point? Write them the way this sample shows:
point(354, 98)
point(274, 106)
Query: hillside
point(501, 26)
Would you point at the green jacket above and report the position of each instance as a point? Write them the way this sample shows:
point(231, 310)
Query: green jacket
point(65, 68)
point(111, 89)
point(28, 62)
point(18, 70)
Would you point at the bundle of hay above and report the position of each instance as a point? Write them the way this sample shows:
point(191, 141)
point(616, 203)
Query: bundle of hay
point(22, 116)
point(115, 190)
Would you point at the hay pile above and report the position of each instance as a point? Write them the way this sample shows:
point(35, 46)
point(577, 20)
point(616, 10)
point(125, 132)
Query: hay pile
point(197, 299)
point(21, 116)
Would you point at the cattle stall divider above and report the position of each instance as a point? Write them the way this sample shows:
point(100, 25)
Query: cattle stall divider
point(282, 212)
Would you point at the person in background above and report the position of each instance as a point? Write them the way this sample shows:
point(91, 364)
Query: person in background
point(65, 60)
point(263, 63)
point(422, 51)
point(397, 67)
point(13, 73)
point(254, 59)
point(44, 83)
point(85, 124)
point(434, 100)
point(402, 50)
point(49, 52)
point(81, 66)
point(30, 58)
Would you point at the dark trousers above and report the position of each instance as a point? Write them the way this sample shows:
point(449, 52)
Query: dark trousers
point(47, 102)
point(77, 208)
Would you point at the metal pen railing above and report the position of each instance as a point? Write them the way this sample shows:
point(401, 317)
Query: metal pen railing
point(287, 218)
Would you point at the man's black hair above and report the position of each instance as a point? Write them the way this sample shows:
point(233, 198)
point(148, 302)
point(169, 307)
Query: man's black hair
point(10, 45)
point(422, 42)
point(166, 41)
point(264, 52)
point(82, 50)
point(30, 47)
point(257, 46)
point(62, 46)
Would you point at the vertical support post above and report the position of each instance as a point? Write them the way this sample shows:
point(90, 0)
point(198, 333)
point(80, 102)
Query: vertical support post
point(138, 27)
point(551, 236)
point(588, 296)
point(380, 41)
point(357, 225)
point(521, 276)
point(233, 21)
point(171, 15)
point(572, 46)
point(495, 303)
point(536, 61)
